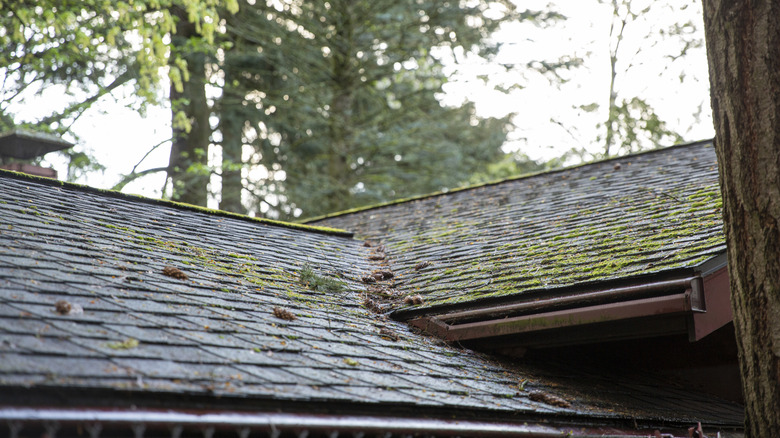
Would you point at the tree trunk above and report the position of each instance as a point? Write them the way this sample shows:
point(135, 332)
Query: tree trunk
point(340, 129)
point(612, 113)
point(743, 46)
point(231, 127)
point(187, 166)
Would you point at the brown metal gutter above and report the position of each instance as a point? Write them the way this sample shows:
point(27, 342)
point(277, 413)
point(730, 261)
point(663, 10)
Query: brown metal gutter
point(601, 295)
point(681, 296)
point(140, 421)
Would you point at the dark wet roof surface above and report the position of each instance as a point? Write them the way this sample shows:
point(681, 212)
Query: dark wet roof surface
point(646, 214)
point(180, 302)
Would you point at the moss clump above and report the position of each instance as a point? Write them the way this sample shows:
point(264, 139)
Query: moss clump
point(312, 281)
point(123, 345)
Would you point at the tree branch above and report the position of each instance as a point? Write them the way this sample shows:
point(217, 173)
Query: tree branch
point(126, 179)
point(81, 106)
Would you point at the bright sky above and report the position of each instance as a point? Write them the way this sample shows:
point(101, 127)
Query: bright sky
point(119, 137)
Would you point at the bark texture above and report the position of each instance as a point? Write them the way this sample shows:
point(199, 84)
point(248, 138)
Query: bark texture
point(340, 129)
point(743, 47)
point(187, 165)
point(231, 127)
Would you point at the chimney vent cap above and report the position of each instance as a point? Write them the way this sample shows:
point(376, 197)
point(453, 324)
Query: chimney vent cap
point(24, 144)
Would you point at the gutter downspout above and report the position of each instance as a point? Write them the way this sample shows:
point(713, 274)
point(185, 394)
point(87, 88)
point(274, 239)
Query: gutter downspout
point(95, 421)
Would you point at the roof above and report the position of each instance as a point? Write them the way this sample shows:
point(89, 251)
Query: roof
point(642, 216)
point(115, 300)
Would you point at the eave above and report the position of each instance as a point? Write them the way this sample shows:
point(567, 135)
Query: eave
point(694, 305)
point(139, 422)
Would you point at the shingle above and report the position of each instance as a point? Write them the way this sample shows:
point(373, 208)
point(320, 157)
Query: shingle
point(151, 335)
point(275, 375)
point(250, 356)
point(380, 379)
point(22, 322)
point(216, 334)
point(57, 366)
point(320, 376)
point(373, 394)
point(49, 345)
point(583, 224)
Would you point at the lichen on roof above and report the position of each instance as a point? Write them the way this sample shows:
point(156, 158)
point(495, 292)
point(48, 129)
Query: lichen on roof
point(175, 304)
point(445, 192)
point(633, 216)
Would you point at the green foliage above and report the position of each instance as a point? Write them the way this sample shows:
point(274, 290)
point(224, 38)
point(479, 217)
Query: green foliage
point(511, 165)
point(635, 124)
point(87, 49)
point(91, 46)
point(340, 99)
point(80, 163)
point(308, 278)
point(631, 122)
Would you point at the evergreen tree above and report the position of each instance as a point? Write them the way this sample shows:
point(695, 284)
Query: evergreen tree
point(84, 51)
point(344, 94)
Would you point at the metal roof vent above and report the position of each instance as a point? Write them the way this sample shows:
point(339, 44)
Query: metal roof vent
point(24, 145)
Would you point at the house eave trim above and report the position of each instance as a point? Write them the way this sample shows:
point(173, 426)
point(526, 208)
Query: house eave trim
point(299, 424)
point(610, 294)
point(671, 297)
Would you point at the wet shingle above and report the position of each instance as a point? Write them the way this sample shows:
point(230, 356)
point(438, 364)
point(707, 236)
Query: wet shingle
point(215, 334)
point(658, 212)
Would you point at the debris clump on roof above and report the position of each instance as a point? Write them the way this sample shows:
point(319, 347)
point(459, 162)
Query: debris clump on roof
point(377, 253)
point(377, 275)
point(382, 274)
point(372, 305)
point(176, 273)
point(284, 314)
point(549, 399)
point(422, 265)
point(389, 334)
point(382, 290)
point(65, 308)
point(414, 300)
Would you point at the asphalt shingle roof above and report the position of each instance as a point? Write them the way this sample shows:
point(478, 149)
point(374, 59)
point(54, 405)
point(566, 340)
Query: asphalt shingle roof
point(126, 297)
point(645, 214)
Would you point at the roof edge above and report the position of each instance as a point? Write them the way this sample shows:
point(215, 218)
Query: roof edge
point(492, 183)
point(549, 425)
point(407, 313)
point(178, 205)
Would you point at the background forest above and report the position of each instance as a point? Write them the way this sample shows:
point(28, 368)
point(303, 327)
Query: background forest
point(290, 108)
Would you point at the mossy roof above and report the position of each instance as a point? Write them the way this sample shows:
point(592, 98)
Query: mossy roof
point(642, 215)
point(122, 301)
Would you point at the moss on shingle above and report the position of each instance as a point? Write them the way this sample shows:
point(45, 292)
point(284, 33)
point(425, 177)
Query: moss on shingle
point(583, 225)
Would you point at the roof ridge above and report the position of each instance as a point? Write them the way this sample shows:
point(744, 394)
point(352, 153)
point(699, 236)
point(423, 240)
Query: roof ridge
point(179, 205)
point(495, 182)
